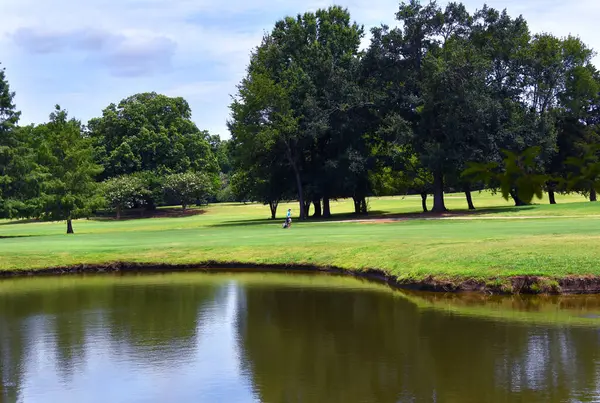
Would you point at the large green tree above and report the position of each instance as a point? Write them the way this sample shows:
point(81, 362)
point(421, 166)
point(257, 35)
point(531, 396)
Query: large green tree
point(294, 84)
point(150, 132)
point(433, 79)
point(66, 155)
point(19, 175)
point(577, 119)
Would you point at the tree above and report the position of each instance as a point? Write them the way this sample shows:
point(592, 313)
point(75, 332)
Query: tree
point(292, 88)
point(189, 187)
point(585, 174)
point(124, 192)
point(66, 155)
point(9, 117)
point(452, 120)
point(263, 120)
point(433, 78)
point(150, 132)
point(221, 149)
point(19, 174)
point(268, 188)
point(518, 176)
point(577, 117)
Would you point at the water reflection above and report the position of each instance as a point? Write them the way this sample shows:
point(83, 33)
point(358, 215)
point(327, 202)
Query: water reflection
point(281, 338)
point(118, 340)
point(344, 346)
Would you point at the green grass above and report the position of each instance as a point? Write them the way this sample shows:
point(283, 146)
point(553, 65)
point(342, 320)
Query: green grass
point(563, 240)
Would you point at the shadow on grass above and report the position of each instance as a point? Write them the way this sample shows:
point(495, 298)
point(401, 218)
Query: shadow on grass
point(380, 215)
point(449, 213)
point(145, 214)
point(15, 236)
point(127, 215)
point(280, 220)
point(24, 221)
point(499, 210)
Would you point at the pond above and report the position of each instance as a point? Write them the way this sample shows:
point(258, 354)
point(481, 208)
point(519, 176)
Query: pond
point(281, 337)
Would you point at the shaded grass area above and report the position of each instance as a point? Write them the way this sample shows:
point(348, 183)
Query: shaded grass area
point(555, 245)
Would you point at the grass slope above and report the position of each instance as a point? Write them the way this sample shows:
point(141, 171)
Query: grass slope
point(562, 241)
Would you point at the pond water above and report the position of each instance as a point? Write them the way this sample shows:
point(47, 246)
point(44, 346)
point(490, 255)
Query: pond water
point(266, 337)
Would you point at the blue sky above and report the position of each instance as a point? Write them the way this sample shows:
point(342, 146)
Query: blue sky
point(85, 54)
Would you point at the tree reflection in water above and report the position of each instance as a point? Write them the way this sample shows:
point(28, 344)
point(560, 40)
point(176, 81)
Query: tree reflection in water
point(284, 339)
point(347, 346)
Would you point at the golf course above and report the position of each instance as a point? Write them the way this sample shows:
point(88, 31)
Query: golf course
point(488, 247)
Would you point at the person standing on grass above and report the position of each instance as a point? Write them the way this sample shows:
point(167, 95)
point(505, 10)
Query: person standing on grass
point(288, 218)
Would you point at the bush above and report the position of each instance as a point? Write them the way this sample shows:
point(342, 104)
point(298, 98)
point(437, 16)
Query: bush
point(188, 188)
point(125, 192)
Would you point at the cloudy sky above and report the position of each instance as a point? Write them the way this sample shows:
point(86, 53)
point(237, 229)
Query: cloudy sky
point(85, 54)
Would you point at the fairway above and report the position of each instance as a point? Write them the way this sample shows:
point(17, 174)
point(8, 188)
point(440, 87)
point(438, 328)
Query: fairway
point(553, 241)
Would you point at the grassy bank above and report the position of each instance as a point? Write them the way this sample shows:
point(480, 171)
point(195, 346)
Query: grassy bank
point(563, 240)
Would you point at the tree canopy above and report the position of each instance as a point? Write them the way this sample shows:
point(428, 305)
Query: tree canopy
point(66, 155)
point(150, 132)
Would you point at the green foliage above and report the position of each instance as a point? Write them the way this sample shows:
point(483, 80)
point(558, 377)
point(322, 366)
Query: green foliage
point(66, 155)
point(519, 175)
point(150, 132)
point(189, 187)
point(19, 175)
point(9, 116)
point(221, 149)
point(124, 192)
point(585, 172)
point(298, 81)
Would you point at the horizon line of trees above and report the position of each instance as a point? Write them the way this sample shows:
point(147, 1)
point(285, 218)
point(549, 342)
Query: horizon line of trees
point(446, 101)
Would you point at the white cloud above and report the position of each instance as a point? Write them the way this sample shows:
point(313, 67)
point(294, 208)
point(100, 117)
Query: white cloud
point(130, 54)
point(86, 54)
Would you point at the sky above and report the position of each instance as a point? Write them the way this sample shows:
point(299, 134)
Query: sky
point(86, 54)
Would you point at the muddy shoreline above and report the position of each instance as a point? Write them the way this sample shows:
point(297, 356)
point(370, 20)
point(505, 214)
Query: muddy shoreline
point(507, 285)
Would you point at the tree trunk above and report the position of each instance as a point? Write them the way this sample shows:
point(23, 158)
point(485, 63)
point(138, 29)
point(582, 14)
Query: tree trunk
point(307, 208)
point(298, 180)
point(118, 212)
point(184, 206)
point(70, 226)
point(438, 193)
point(356, 205)
point(300, 195)
point(551, 196)
point(467, 190)
point(363, 206)
point(150, 205)
point(326, 208)
point(424, 201)
point(273, 206)
point(317, 205)
point(515, 195)
point(593, 195)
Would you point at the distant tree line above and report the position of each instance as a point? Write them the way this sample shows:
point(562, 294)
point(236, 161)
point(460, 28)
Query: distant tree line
point(446, 101)
point(142, 153)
